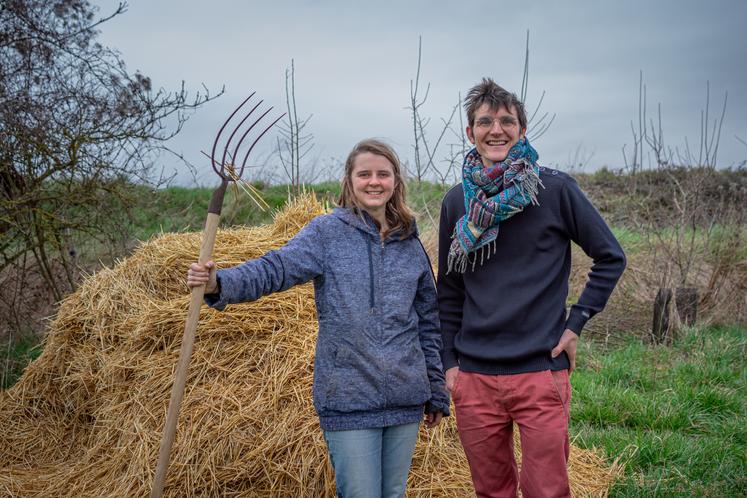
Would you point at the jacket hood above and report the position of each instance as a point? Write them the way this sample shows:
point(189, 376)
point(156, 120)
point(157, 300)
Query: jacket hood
point(365, 223)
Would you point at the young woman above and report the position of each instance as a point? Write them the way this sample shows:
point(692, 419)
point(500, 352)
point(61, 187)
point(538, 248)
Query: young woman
point(377, 367)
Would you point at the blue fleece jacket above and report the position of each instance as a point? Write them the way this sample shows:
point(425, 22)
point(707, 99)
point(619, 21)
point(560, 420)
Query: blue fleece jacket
point(377, 359)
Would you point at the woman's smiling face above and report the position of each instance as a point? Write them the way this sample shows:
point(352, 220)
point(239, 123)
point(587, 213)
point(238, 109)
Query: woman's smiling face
point(372, 179)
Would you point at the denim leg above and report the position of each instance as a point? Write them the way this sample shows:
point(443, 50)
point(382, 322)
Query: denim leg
point(396, 457)
point(356, 458)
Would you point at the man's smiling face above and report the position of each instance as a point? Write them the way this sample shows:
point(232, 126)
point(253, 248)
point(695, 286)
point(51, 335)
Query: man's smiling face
point(494, 132)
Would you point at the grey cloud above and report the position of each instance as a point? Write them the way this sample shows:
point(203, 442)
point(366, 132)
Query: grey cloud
point(354, 62)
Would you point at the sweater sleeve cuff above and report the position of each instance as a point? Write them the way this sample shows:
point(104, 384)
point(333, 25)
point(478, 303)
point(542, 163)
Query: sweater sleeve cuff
point(216, 300)
point(449, 359)
point(576, 320)
point(434, 406)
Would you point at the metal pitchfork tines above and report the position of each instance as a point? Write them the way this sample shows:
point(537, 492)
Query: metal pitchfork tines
point(228, 171)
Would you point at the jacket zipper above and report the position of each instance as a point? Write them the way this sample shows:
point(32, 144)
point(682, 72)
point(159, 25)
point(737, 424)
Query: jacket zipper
point(370, 274)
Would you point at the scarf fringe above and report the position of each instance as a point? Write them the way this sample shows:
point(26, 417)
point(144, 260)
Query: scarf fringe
point(528, 183)
point(459, 260)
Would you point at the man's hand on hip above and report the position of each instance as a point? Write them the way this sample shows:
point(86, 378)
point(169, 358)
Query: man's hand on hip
point(567, 343)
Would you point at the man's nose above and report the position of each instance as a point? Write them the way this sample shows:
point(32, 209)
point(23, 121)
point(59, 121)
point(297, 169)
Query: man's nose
point(496, 127)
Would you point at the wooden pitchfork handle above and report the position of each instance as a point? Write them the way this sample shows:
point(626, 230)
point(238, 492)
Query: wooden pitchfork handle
point(227, 173)
point(188, 339)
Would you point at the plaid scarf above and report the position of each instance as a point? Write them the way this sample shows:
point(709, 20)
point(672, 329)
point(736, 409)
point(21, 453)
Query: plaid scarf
point(492, 195)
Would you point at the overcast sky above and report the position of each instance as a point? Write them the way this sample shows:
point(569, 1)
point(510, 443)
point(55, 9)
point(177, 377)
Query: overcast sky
point(354, 62)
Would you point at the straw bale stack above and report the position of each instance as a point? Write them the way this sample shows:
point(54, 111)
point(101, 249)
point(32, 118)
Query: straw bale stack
point(87, 416)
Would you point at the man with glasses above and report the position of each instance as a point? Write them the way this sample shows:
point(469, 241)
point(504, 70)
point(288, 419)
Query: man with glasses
point(504, 261)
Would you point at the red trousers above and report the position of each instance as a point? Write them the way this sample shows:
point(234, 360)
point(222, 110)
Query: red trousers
point(487, 407)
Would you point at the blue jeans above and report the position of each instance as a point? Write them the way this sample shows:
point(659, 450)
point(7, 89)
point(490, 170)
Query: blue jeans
point(372, 463)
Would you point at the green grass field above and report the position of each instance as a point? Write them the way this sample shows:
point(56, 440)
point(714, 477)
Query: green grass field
point(178, 209)
point(675, 417)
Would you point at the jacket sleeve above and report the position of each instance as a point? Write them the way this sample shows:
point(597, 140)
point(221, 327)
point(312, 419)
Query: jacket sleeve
point(588, 229)
point(299, 260)
point(450, 291)
point(430, 342)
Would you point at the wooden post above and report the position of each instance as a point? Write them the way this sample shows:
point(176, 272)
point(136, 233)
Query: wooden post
point(686, 304)
point(660, 328)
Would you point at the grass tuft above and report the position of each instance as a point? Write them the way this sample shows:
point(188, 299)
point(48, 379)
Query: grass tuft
point(15, 355)
point(675, 417)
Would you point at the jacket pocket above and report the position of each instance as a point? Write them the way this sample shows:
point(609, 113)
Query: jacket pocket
point(354, 384)
point(407, 378)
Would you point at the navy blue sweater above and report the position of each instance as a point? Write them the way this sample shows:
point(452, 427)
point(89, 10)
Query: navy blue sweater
point(506, 315)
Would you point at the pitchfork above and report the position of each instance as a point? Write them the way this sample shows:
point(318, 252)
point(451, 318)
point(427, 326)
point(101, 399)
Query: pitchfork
point(228, 172)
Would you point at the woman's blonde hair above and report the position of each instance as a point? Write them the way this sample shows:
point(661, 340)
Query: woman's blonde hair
point(399, 217)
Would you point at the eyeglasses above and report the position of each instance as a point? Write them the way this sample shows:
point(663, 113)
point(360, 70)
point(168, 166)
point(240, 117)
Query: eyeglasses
point(504, 121)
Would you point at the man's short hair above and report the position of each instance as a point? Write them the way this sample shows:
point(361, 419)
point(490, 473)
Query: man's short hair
point(491, 93)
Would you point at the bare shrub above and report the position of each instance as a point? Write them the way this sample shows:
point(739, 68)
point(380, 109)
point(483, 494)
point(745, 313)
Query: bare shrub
point(690, 216)
point(78, 138)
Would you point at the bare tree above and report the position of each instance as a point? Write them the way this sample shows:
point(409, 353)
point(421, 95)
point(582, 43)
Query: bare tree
point(296, 142)
point(416, 102)
point(424, 158)
point(634, 164)
point(430, 152)
point(78, 135)
point(537, 124)
point(579, 159)
point(447, 174)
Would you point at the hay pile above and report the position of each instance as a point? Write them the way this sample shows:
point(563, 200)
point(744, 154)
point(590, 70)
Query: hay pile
point(86, 418)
